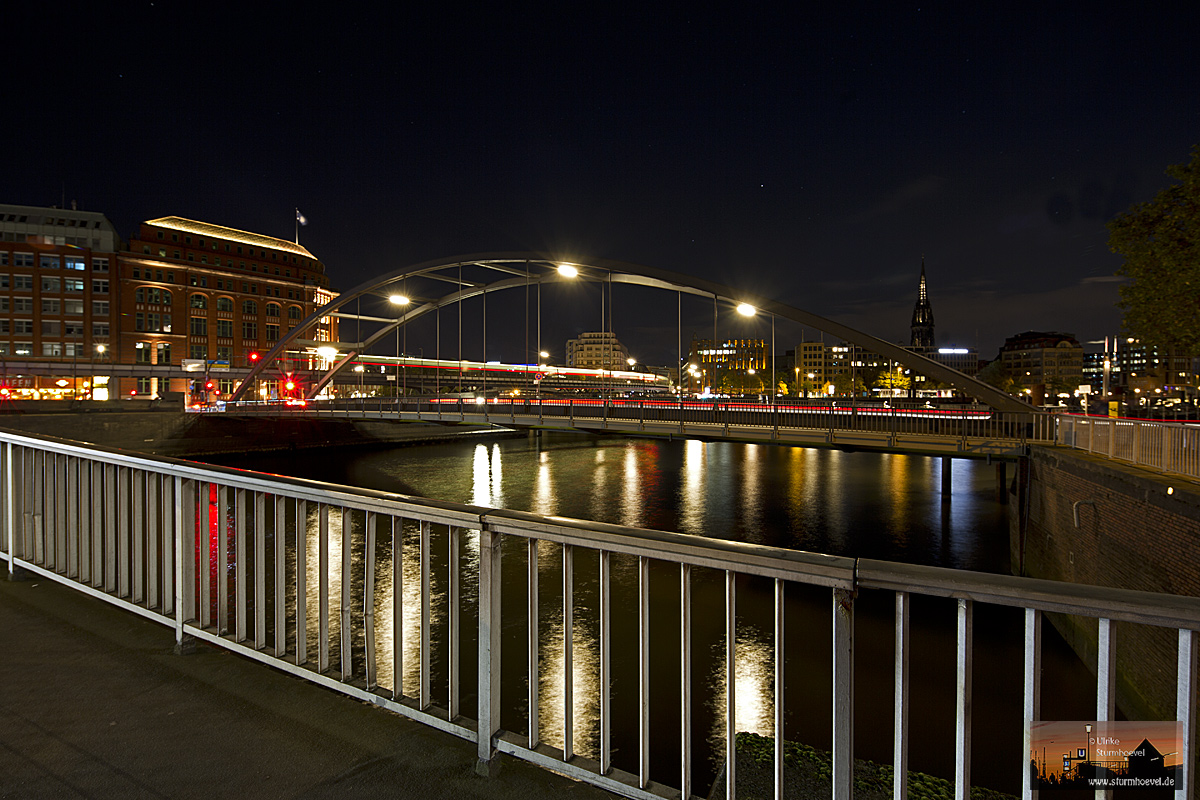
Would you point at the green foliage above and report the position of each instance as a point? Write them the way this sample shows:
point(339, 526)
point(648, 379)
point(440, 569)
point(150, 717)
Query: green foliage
point(994, 374)
point(871, 780)
point(1160, 241)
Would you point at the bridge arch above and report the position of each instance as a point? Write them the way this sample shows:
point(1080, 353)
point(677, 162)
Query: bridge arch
point(529, 269)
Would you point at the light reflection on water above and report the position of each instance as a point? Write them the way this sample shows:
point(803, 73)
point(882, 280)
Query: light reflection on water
point(854, 504)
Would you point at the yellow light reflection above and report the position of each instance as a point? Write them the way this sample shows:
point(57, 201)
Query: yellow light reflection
point(694, 496)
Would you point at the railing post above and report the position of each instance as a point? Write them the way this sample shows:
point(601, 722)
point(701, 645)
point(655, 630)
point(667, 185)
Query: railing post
point(489, 649)
point(843, 694)
point(1033, 689)
point(900, 715)
point(1185, 712)
point(962, 738)
point(9, 499)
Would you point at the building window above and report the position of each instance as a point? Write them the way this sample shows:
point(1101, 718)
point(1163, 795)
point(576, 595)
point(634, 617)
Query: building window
point(73, 285)
point(144, 384)
point(22, 283)
point(24, 326)
point(5, 326)
point(164, 353)
point(23, 260)
point(48, 262)
point(52, 348)
point(198, 301)
point(51, 306)
point(225, 328)
point(51, 285)
point(100, 286)
point(100, 265)
point(272, 333)
point(73, 307)
point(272, 309)
point(199, 326)
point(249, 330)
point(249, 307)
point(73, 262)
point(224, 304)
point(224, 353)
point(100, 329)
point(294, 313)
point(23, 348)
point(4, 303)
point(99, 308)
point(51, 327)
point(141, 352)
point(3, 258)
point(153, 295)
point(197, 351)
point(23, 304)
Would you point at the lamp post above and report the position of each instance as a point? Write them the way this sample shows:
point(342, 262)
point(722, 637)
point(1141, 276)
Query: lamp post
point(92, 385)
point(402, 300)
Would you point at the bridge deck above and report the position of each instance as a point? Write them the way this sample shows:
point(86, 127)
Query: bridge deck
point(881, 433)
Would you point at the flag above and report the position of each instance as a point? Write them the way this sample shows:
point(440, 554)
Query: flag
point(300, 218)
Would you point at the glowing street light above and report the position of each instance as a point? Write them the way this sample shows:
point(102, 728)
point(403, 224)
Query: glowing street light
point(567, 271)
point(746, 310)
point(399, 299)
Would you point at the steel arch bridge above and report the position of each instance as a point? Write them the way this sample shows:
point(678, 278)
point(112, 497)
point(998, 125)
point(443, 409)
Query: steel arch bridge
point(532, 269)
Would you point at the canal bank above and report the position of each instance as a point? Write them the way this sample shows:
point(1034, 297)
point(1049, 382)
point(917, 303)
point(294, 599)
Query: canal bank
point(164, 431)
point(1090, 520)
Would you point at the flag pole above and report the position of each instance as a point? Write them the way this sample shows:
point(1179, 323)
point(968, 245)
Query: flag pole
point(297, 226)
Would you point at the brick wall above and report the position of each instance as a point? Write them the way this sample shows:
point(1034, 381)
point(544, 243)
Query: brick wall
point(1137, 530)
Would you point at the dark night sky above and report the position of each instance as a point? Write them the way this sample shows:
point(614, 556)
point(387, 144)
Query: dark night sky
point(810, 156)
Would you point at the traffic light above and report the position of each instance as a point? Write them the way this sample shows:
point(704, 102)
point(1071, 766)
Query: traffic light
point(209, 385)
point(253, 357)
point(5, 393)
point(289, 385)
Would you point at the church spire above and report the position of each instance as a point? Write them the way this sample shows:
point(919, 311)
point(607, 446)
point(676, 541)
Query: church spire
point(922, 317)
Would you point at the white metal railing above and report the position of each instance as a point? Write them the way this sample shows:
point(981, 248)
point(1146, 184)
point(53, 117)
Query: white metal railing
point(1165, 446)
point(321, 581)
point(898, 424)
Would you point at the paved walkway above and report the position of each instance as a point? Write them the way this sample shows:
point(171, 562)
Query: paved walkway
point(94, 704)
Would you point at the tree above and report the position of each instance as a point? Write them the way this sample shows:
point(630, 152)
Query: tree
point(994, 374)
point(1160, 241)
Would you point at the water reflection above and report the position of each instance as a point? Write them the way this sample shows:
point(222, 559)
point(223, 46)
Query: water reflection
point(853, 504)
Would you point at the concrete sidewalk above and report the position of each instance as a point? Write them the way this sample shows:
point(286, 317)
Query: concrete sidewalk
point(93, 703)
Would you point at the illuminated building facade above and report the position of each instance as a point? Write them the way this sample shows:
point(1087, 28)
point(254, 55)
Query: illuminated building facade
point(210, 295)
point(596, 350)
point(57, 285)
point(1038, 358)
point(84, 316)
point(736, 364)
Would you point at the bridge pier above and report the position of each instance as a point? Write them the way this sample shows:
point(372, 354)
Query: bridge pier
point(1001, 483)
point(946, 475)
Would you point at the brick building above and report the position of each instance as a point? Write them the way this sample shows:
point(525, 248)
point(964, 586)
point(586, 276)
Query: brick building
point(82, 315)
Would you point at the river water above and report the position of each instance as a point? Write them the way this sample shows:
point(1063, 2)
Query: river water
point(853, 504)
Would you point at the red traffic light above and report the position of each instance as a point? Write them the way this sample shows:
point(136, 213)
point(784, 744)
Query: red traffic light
point(5, 392)
point(290, 386)
point(209, 385)
point(254, 357)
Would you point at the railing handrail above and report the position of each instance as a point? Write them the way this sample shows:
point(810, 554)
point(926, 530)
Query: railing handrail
point(1175, 611)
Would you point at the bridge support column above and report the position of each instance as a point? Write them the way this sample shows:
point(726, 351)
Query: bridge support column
point(1001, 483)
point(947, 472)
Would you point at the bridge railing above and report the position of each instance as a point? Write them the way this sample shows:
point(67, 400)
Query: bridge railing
point(383, 598)
point(830, 416)
point(1172, 447)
